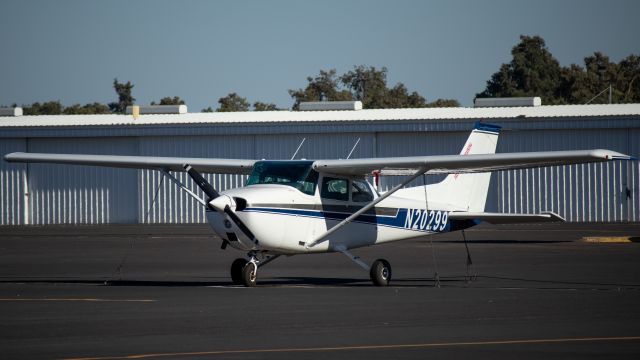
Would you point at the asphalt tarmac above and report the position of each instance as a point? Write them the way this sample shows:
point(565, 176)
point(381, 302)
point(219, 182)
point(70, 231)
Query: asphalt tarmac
point(163, 292)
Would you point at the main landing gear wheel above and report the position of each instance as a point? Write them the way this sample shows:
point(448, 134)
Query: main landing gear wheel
point(249, 274)
point(380, 272)
point(236, 270)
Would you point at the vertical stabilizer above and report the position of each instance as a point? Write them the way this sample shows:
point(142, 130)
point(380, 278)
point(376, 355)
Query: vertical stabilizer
point(467, 192)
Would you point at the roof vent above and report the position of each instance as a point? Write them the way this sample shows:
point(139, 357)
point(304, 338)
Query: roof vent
point(508, 102)
point(330, 105)
point(15, 111)
point(159, 109)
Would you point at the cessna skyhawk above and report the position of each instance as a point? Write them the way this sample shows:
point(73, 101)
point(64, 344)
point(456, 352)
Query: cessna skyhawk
point(292, 207)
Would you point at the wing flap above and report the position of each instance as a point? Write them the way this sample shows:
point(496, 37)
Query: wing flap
point(456, 164)
point(219, 166)
point(505, 218)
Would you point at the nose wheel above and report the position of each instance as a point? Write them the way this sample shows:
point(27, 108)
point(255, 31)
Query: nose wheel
point(245, 272)
point(237, 268)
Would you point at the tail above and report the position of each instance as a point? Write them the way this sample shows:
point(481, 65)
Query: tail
point(467, 192)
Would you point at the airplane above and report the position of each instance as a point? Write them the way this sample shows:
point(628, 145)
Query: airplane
point(294, 207)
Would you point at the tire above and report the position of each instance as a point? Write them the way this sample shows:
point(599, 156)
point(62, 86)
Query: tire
point(236, 270)
point(380, 272)
point(249, 274)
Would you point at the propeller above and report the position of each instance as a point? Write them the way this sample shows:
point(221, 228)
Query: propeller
point(223, 203)
point(202, 183)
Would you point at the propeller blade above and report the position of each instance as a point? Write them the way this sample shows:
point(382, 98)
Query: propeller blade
point(201, 182)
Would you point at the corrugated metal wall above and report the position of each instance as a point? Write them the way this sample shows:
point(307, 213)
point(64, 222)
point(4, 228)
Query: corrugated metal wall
point(82, 194)
point(587, 192)
point(12, 184)
point(172, 204)
point(91, 195)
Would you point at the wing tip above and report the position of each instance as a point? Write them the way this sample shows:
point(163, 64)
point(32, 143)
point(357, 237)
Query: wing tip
point(611, 155)
point(11, 157)
point(554, 217)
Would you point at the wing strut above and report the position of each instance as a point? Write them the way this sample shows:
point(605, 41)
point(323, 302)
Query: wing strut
point(366, 208)
point(183, 188)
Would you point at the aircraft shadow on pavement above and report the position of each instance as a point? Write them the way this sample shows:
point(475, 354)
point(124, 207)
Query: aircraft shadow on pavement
point(223, 282)
point(477, 281)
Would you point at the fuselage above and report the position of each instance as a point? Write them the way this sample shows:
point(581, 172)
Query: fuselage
point(285, 216)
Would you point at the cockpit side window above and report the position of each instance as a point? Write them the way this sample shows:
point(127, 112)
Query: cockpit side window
point(360, 191)
point(334, 188)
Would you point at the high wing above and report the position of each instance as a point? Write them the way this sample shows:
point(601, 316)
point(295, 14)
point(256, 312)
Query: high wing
point(505, 218)
point(450, 164)
point(219, 166)
point(438, 164)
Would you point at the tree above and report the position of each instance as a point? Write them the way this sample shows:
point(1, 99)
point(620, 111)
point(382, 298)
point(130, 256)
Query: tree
point(629, 70)
point(47, 108)
point(589, 84)
point(533, 71)
point(95, 108)
point(233, 102)
point(366, 84)
point(124, 96)
point(323, 87)
point(444, 103)
point(369, 85)
point(398, 97)
point(170, 101)
point(629, 79)
point(260, 106)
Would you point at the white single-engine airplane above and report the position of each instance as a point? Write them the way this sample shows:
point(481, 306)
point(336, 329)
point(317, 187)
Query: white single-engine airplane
point(292, 207)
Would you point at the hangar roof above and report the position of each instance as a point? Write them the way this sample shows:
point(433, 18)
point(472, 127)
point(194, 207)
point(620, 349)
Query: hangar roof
point(556, 111)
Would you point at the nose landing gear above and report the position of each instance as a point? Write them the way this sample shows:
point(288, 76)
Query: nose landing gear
point(245, 272)
point(250, 274)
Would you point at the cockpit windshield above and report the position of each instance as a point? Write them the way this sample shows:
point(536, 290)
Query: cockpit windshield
point(297, 174)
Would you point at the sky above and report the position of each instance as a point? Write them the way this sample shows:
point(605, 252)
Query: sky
point(71, 50)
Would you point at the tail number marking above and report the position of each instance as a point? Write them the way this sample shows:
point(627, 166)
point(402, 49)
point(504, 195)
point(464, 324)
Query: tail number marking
point(423, 219)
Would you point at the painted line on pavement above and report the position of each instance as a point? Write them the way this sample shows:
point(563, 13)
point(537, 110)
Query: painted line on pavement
point(364, 347)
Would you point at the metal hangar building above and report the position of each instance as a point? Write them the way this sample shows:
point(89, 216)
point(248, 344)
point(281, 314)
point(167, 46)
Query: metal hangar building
point(42, 194)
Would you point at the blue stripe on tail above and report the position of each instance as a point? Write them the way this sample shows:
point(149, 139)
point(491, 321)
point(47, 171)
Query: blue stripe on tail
point(487, 127)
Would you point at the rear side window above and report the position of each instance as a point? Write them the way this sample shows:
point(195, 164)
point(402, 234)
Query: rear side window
point(360, 191)
point(336, 189)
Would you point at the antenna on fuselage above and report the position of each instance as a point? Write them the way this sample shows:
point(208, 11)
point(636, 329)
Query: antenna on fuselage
point(353, 148)
point(298, 149)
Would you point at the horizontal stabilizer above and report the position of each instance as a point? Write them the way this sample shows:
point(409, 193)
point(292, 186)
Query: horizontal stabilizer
point(504, 218)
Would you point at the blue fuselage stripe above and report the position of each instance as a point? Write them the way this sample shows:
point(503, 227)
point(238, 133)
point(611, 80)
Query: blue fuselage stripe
point(398, 221)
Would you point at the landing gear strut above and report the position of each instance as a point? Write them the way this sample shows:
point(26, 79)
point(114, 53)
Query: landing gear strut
point(380, 270)
point(245, 272)
point(250, 274)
